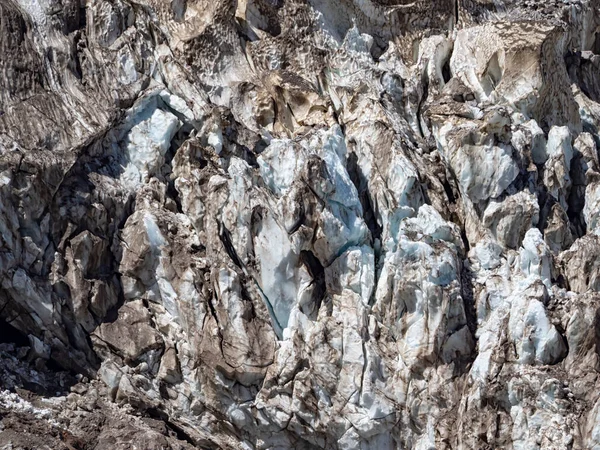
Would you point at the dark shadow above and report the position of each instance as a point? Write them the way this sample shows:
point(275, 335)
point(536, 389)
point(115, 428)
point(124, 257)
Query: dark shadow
point(446, 72)
point(317, 272)
point(77, 202)
point(583, 71)
point(11, 335)
point(596, 44)
point(360, 182)
point(21, 370)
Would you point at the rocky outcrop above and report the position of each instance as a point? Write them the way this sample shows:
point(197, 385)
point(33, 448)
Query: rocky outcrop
point(299, 224)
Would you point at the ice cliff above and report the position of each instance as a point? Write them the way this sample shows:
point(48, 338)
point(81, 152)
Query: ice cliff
point(308, 224)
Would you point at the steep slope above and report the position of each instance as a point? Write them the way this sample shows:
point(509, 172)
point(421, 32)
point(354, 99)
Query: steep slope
point(300, 223)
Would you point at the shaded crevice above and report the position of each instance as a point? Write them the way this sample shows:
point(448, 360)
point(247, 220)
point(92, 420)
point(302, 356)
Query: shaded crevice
point(113, 313)
point(82, 18)
point(173, 194)
point(249, 311)
point(563, 335)
point(53, 366)
point(545, 203)
point(297, 224)
point(422, 101)
point(317, 272)
point(11, 335)
point(465, 239)
point(446, 72)
point(178, 140)
point(456, 13)
point(575, 213)
point(449, 192)
point(75, 62)
point(225, 237)
point(156, 413)
point(596, 44)
point(466, 278)
point(360, 182)
point(240, 142)
point(213, 312)
point(582, 69)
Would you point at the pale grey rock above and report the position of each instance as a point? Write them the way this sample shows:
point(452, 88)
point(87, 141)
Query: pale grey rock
point(509, 219)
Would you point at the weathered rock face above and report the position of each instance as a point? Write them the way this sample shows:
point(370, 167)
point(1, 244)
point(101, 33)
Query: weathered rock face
point(300, 224)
